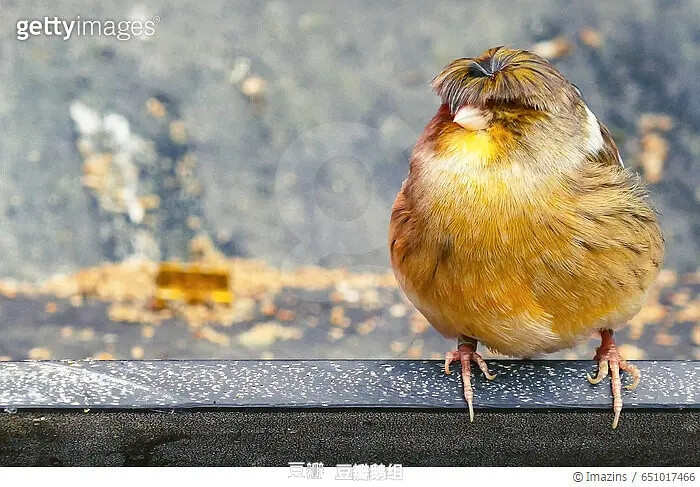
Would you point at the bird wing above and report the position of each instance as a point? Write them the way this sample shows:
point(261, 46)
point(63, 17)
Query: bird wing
point(609, 153)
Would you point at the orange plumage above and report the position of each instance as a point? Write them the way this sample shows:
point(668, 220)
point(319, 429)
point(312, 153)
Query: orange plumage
point(518, 225)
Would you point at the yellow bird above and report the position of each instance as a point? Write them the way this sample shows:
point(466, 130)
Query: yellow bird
point(518, 225)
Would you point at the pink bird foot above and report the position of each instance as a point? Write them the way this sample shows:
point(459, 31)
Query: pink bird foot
point(608, 357)
point(466, 353)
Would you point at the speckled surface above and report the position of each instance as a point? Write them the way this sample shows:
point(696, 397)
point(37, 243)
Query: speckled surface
point(332, 384)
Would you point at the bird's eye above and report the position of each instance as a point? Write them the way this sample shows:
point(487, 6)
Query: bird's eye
point(578, 91)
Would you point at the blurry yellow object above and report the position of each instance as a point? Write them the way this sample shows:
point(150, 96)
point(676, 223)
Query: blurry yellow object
point(192, 283)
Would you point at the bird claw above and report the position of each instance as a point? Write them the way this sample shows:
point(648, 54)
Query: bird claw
point(466, 354)
point(449, 358)
point(602, 372)
point(633, 371)
point(609, 358)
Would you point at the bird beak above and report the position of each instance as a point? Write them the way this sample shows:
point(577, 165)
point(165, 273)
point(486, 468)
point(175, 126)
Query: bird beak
point(472, 118)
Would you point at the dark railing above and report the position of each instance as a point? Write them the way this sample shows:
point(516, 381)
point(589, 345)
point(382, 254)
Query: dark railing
point(338, 412)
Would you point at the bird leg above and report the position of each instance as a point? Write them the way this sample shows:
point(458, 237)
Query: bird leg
point(608, 357)
point(466, 353)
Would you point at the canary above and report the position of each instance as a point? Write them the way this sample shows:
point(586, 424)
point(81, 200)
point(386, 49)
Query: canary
point(518, 225)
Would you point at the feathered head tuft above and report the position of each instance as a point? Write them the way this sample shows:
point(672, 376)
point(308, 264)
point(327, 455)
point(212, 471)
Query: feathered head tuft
point(501, 76)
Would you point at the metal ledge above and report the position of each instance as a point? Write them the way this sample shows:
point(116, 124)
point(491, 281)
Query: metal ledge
point(342, 383)
point(275, 412)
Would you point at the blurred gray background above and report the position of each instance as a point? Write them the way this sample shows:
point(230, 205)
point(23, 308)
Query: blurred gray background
point(282, 130)
point(312, 64)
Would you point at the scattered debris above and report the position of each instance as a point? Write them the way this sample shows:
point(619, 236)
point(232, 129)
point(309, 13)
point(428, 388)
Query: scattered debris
point(211, 335)
point(654, 147)
point(690, 313)
point(630, 352)
point(244, 309)
point(286, 315)
point(241, 68)
point(666, 278)
point(268, 307)
point(263, 292)
point(398, 310)
point(555, 48)
point(266, 334)
point(8, 289)
point(86, 335)
point(416, 350)
point(418, 323)
point(367, 326)
point(346, 293)
point(178, 133)
point(254, 87)
point(39, 353)
point(664, 339)
point(335, 334)
point(103, 356)
point(145, 186)
point(651, 313)
point(155, 108)
point(681, 297)
point(654, 150)
point(87, 121)
point(137, 352)
point(591, 37)
point(112, 156)
point(338, 317)
point(649, 122)
point(397, 347)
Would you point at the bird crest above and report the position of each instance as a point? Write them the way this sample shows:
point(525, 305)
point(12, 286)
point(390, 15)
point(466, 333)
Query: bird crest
point(502, 76)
